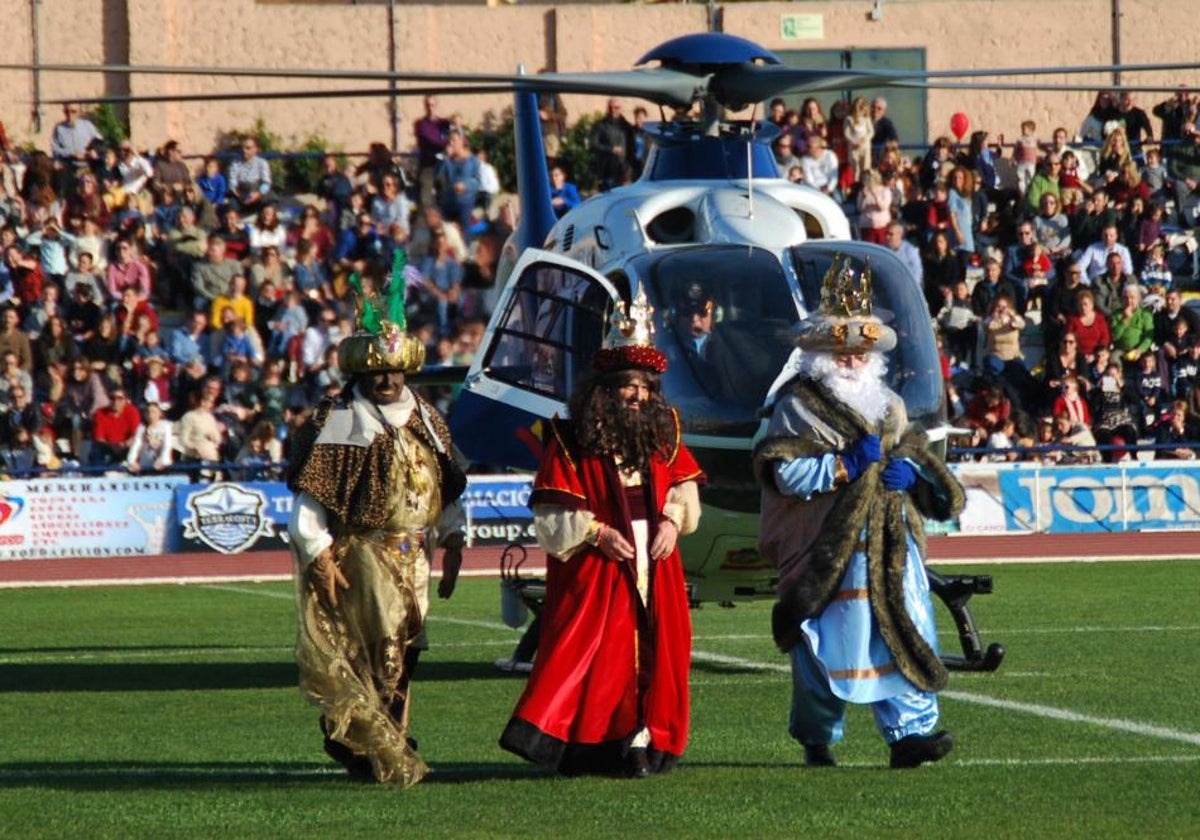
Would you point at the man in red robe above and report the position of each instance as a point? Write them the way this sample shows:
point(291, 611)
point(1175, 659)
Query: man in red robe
point(616, 487)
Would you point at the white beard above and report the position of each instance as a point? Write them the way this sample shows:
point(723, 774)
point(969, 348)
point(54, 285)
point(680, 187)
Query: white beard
point(861, 389)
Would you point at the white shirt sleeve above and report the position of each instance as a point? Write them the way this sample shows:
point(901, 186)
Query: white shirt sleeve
point(308, 528)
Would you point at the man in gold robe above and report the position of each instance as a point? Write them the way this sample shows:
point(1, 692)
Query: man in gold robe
point(376, 482)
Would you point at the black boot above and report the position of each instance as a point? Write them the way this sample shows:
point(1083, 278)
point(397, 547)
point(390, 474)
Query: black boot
point(637, 763)
point(358, 766)
point(916, 750)
point(818, 755)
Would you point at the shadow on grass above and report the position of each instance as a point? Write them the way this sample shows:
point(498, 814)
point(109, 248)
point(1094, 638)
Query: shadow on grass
point(146, 676)
point(88, 776)
point(196, 676)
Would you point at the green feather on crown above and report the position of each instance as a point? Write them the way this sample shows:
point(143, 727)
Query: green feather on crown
point(381, 343)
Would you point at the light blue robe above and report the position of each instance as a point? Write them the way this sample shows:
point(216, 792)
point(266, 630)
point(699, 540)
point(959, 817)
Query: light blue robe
point(843, 657)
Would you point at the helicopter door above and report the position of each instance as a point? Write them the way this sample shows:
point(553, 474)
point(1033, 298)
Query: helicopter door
point(549, 321)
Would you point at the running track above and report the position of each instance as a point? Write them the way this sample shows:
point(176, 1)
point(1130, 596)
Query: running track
point(482, 561)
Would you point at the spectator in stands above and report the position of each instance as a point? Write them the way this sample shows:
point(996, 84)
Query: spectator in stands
point(249, 179)
point(1113, 410)
point(874, 208)
point(1132, 328)
point(73, 144)
point(1026, 149)
point(12, 375)
point(1090, 326)
point(268, 231)
point(191, 340)
point(287, 323)
point(130, 308)
point(360, 246)
point(55, 249)
point(1176, 432)
point(318, 338)
point(154, 383)
point(906, 251)
point(83, 313)
point(442, 275)
point(391, 206)
point(610, 143)
point(21, 414)
point(1149, 389)
point(1182, 354)
point(1094, 258)
point(170, 170)
point(234, 297)
point(14, 340)
point(941, 270)
point(335, 188)
point(1002, 348)
point(83, 393)
point(820, 166)
point(959, 325)
point(212, 182)
point(1052, 229)
point(199, 432)
point(564, 196)
point(212, 275)
point(114, 429)
point(135, 170)
point(1070, 402)
point(127, 271)
point(884, 128)
point(55, 345)
point(1088, 226)
point(1107, 287)
point(153, 443)
point(1045, 182)
point(489, 179)
point(458, 180)
point(1114, 155)
point(1078, 440)
point(432, 135)
point(27, 276)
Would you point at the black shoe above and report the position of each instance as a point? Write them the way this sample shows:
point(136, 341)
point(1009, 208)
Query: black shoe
point(637, 763)
point(818, 755)
point(357, 766)
point(916, 750)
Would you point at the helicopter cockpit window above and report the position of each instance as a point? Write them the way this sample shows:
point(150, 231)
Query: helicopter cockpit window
point(726, 314)
point(553, 325)
point(914, 371)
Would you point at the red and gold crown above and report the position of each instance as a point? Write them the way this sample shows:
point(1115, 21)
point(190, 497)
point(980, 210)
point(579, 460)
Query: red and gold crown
point(629, 344)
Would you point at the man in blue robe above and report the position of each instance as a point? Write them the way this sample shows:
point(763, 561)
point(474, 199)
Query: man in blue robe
point(846, 486)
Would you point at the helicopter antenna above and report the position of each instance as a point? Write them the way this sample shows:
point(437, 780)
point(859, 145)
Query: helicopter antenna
point(750, 159)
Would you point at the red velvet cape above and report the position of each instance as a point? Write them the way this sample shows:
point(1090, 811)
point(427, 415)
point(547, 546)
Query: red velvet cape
point(606, 666)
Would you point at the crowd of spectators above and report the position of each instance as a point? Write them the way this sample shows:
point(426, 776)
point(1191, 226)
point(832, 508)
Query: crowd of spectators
point(161, 309)
point(1054, 267)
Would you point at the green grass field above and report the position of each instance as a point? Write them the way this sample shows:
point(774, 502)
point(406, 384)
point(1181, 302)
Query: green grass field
point(165, 711)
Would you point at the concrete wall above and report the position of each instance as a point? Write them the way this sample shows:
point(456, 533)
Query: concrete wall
point(484, 38)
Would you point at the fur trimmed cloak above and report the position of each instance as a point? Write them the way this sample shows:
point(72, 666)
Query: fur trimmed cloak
point(811, 541)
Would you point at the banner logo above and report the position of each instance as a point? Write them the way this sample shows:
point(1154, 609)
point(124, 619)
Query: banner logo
point(10, 507)
point(228, 518)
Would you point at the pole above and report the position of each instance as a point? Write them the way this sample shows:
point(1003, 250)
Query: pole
point(1116, 40)
point(393, 112)
point(34, 7)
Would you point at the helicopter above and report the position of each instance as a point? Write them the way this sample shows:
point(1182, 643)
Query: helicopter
point(710, 207)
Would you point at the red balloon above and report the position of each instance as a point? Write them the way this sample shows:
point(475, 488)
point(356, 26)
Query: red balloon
point(960, 125)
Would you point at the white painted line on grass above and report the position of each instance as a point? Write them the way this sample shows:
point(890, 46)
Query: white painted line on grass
point(145, 581)
point(1130, 726)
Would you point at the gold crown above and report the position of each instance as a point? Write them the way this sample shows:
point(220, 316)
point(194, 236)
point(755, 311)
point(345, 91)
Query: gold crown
point(391, 349)
point(630, 339)
point(843, 293)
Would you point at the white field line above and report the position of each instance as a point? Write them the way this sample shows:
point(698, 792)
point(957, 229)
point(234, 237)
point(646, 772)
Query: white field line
point(1037, 710)
point(201, 579)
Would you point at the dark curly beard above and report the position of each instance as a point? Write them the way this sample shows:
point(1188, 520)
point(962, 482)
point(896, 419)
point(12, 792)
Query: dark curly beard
point(605, 425)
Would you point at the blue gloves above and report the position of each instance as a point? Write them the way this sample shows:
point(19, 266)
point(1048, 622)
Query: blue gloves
point(898, 475)
point(865, 451)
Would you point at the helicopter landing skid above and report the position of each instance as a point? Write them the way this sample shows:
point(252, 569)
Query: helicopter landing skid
point(955, 591)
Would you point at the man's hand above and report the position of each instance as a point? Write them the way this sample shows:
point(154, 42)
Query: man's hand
point(451, 564)
point(614, 545)
point(866, 451)
point(329, 577)
point(898, 475)
point(664, 540)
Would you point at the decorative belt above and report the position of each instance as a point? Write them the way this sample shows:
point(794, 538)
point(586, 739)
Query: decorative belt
point(402, 541)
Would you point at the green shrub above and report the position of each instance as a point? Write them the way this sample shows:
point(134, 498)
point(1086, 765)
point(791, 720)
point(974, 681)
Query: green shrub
point(113, 127)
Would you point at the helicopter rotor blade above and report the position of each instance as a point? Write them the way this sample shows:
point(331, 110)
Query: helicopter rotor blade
point(743, 85)
point(1003, 86)
point(657, 84)
point(238, 96)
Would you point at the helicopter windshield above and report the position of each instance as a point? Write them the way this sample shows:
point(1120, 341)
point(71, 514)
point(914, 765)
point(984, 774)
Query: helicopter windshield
point(914, 371)
point(725, 314)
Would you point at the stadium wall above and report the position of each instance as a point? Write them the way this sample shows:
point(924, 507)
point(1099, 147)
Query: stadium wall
point(572, 37)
